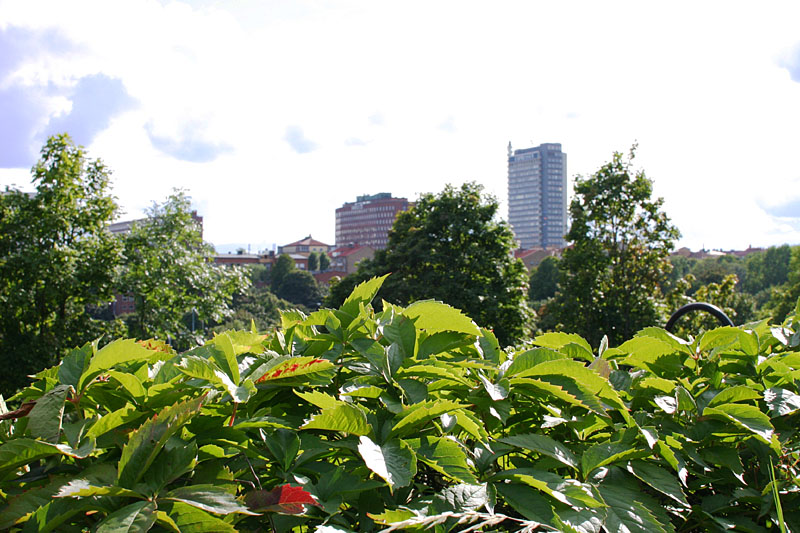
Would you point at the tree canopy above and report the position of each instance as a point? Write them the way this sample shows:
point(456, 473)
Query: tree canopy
point(621, 241)
point(56, 259)
point(451, 247)
point(177, 290)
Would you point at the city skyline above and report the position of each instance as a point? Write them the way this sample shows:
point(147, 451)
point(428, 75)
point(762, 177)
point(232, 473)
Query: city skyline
point(271, 115)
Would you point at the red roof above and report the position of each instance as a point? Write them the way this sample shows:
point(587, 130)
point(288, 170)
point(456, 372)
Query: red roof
point(308, 241)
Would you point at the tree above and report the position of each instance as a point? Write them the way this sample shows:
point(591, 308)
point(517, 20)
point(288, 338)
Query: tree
point(56, 259)
point(300, 287)
point(621, 241)
point(785, 297)
point(544, 280)
point(324, 261)
point(283, 265)
point(313, 262)
point(451, 247)
point(178, 292)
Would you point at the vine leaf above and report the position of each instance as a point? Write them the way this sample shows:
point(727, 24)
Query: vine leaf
point(284, 499)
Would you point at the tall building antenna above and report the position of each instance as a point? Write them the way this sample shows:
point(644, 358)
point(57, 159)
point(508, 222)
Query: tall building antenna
point(509, 149)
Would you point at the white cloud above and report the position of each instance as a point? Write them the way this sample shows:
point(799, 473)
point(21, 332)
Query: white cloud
point(702, 87)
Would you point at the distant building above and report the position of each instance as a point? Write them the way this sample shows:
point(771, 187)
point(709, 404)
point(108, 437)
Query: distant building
point(367, 221)
point(537, 195)
point(304, 247)
point(125, 226)
point(532, 257)
point(347, 258)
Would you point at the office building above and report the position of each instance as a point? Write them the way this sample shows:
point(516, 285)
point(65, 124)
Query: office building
point(367, 221)
point(537, 195)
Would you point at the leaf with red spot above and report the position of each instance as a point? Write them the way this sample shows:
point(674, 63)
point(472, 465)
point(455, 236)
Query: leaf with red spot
point(291, 367)
point(284, 500)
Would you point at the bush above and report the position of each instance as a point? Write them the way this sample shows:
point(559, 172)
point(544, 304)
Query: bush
point(351, 420)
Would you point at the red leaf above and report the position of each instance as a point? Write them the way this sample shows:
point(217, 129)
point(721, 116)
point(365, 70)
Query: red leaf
point(284, 499)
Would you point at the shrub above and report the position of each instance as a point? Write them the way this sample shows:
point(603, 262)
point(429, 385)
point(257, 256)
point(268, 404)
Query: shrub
point(351, 420)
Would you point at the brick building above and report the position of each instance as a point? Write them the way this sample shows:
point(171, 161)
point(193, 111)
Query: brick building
point(367, 221)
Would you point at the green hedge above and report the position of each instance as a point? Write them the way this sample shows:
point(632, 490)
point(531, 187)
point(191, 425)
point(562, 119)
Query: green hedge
point(409, 419)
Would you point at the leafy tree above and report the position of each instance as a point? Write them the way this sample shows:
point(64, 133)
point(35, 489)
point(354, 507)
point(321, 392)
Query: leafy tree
point(56, 259)
point(621, 242)
point(544, 279)
point(324, 261)
point(300, 287)
point(767, 269)
point(283, 265)
point(177, 290)
point(451, 247)
point(256, 305)
point(313, 262)
point(785, 297)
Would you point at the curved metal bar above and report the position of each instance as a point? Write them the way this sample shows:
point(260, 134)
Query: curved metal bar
point(699, 306)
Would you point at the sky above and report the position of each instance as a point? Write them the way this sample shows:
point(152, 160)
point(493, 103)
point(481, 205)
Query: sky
point(273, 113)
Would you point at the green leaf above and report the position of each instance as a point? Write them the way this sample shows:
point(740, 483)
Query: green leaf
point(364, 293)
point(145, 443)
point(434, 316)
point(22, 451)
point(420, 413)
point(631, 511)
point(177, 458)
point(393, 461)
point(677, 343)
point(130, 383)
point(726, 336)
point(361, 391)
point(568, 491)
point(557, 340)
point(445, 456)
point(470, 423)
point(554, 371)
point(53, 514)
point(606, 453)
point(225, 355)
point(122, 416)
point(74, 365)
point(114, 353)
point(659, 479)
point(442, 342)
point(746, 417)
point(496, 391)
point(462, 497)
point(22, 505)
point(320, 399)
point(543, 390)
point(205, 369)
point(527, 501)
point(649, 353)
point(190, 519)
point(345, 418)
point(737, 393)
point(401, 331)
point(544, 445)
point(530, 359)
point(781, 402)
point(208, 498)
point(432, 372)
point(133, 518)
point(83, 488)
point(45, 419)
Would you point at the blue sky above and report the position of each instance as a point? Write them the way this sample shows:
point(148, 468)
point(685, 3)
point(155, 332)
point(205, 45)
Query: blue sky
point(273, 113)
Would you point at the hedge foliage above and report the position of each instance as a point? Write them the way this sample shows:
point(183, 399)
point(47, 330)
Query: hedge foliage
point(410, 419)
